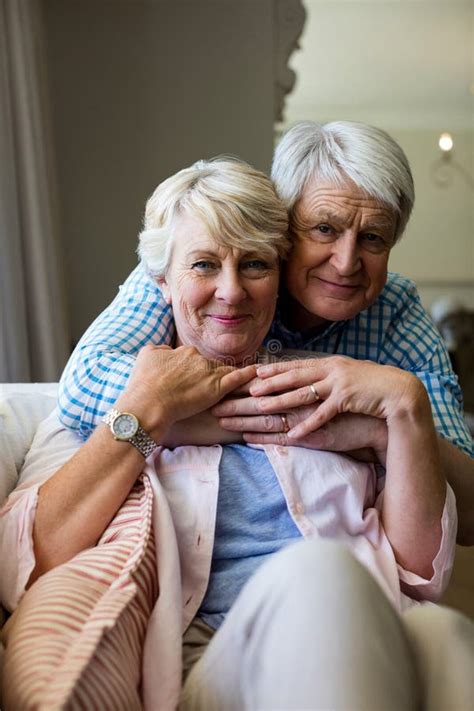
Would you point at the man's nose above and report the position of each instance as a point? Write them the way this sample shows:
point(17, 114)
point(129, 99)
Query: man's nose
point(345, 256)
point(230, 287)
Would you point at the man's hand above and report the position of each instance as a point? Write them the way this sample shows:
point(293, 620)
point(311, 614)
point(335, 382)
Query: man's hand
point(361, 436)
point(335, 385)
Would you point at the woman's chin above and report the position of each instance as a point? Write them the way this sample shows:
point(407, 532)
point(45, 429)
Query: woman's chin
point(231, 350)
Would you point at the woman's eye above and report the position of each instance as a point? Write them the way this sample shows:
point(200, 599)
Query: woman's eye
point(203, 265)
point(256, 264)
point(255, 268)
point(324, 229)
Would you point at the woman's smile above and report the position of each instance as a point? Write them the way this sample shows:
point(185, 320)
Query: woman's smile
point(223, 298)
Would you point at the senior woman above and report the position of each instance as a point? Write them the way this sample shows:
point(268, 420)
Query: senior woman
point(259, 552)
point(349, 192)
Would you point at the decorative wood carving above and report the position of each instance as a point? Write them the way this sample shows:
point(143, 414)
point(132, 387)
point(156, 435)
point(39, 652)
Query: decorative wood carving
point(289, 20)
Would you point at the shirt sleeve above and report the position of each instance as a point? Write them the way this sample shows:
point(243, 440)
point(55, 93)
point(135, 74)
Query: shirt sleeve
point(423, 589)
point(413, 343)
point(100, 366)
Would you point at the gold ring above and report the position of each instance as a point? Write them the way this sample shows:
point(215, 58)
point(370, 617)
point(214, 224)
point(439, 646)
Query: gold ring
point(315, 392)
point(284, 421)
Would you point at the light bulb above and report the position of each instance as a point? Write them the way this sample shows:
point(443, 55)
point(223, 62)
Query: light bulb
point(446, 142)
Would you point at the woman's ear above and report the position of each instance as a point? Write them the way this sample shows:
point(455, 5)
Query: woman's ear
point(164, 288)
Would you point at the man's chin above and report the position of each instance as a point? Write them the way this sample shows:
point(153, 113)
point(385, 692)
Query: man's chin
point(336, 309)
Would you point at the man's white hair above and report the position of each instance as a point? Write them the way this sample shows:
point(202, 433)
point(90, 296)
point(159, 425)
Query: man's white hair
point(340, 150)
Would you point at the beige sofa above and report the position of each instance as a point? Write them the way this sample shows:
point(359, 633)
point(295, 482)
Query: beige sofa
point(23, 406)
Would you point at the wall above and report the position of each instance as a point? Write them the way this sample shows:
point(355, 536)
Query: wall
point(437, 250)
point(405, 66)
point(140, 89)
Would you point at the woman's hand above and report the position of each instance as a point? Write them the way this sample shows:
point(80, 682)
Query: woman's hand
point(168, 385)
point(337, 384)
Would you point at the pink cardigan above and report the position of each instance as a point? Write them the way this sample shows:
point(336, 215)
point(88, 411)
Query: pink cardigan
point(328, 496)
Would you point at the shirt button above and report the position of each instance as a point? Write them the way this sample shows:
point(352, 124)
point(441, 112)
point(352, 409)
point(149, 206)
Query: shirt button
point(299, 508)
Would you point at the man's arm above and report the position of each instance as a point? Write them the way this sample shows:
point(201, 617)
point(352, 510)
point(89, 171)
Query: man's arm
point(458, 468)
point(100, 366)
point(259, 418)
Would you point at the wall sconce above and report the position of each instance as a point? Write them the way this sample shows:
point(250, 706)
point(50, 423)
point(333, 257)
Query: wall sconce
point(446, 142)
point(445, 166)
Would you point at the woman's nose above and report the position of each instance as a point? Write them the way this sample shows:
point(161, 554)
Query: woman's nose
point(229, 287)
point(345, 257)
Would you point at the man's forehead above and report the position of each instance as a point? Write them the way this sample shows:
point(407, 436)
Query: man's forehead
point(340, 202)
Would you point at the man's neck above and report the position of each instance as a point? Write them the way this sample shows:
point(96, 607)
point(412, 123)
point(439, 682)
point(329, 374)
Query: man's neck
point(296, 318)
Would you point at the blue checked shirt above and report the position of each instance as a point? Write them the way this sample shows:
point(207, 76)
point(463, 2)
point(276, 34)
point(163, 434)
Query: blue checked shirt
point(395, 330)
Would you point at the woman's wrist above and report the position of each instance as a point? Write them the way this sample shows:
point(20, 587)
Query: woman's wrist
point(152, 415)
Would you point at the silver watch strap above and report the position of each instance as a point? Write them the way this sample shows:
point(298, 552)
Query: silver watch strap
point(141, 440)
point(110, 416)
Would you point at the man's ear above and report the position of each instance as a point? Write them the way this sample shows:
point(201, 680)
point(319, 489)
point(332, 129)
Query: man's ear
point(164, 288)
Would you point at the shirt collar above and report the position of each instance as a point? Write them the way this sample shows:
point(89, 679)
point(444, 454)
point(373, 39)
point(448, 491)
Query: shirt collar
point(303, 339)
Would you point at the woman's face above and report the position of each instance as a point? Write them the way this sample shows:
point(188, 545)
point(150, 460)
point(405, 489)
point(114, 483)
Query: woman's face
point(341, 244)
point(223, 299)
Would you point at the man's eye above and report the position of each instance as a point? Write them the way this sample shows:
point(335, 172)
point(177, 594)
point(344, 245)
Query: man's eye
point(371, 237)
point(323, 232)
point(373, 241)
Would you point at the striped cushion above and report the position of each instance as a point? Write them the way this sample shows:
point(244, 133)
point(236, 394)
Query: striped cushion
point(76, 639)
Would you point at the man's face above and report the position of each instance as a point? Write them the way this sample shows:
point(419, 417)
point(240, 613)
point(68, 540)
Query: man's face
point(338, 265)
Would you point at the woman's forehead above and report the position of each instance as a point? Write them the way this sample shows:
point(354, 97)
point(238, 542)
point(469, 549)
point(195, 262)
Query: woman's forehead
point(191, 236)
point(201, 243)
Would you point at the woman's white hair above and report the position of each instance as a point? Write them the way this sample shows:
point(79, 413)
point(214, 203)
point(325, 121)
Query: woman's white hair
point(237, 204)
point(340, 150)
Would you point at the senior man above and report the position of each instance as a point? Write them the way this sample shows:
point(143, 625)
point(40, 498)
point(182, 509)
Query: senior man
point(349, 192)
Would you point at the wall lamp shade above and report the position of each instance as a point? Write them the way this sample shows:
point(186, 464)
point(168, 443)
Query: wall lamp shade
point(446, 142)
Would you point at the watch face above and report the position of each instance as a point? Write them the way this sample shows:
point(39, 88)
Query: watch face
point(125, 426)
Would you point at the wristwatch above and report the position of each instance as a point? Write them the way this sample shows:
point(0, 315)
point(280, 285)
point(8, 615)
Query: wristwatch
point(126, 428)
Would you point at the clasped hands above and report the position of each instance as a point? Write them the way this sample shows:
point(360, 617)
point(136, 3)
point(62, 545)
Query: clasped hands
point(334, 403)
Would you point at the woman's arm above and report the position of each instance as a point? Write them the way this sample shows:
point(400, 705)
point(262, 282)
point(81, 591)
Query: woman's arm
point(76, 504)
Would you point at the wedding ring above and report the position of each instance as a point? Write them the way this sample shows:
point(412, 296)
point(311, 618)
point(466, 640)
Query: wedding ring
point(284, 421)
point(315, 392)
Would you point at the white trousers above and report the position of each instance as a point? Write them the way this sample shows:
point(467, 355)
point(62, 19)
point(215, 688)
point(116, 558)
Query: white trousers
point(313, 630)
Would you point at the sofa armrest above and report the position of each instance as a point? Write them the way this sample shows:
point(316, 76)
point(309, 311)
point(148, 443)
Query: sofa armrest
point(22, 407)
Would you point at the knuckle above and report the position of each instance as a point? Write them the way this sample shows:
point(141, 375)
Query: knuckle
point(304, 396)
point(268, 423)
point(264, 404)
